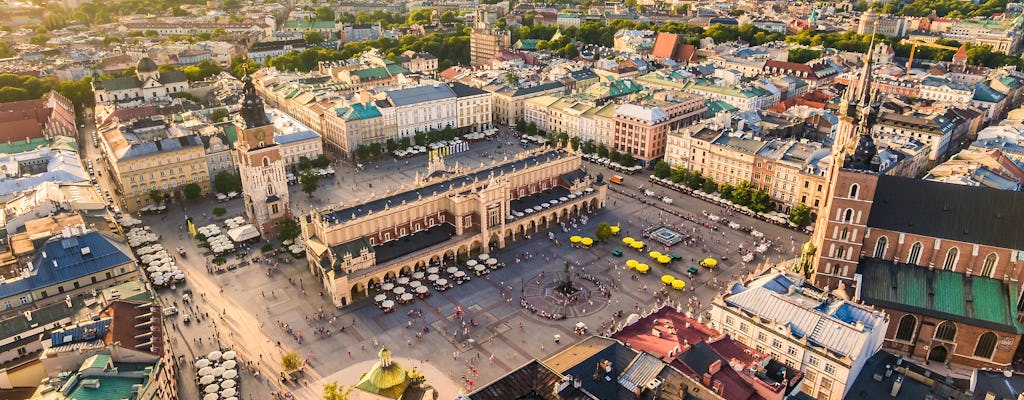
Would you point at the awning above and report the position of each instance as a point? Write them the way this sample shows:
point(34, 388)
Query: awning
point(243, 233)
point(316, 247)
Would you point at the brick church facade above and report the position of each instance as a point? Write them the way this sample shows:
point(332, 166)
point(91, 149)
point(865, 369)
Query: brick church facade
point(942, 260)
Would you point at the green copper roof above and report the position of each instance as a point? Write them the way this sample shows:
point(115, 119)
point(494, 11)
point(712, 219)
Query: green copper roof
point(979, 301)
point(526, 44)
point(717, 106)
point(22, 146)
point(109, 388)
point(232, 133)
point(388, 381)
point(96, 361)
point(301, 24)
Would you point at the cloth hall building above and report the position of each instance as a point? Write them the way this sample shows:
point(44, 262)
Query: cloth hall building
point(444, 220)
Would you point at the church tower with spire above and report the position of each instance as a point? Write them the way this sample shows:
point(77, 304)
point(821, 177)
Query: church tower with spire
point(260, 165)
point(852, 178)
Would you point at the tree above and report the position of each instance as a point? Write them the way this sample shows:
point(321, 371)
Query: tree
point(291, 361)
point(802, 55)
point(192, 191)
point(362, 152)
point(219, 212)
point(708, 186)
point(310, 182)
point(627, 160)
point(219, 115)
point(39, 39)
point(800, 215)
point(202, 70)
point(741, 193)
point(391, 145)
point(449, 17)
point(288, 229)
point(227, 182)
point(324, 14)
point(321, 161)
point(575, 142)
point(603, 231)
point(313, 37)
point(419, 16)
point(662, 170)
point(305, 163)
point(333, 392)
point(107, 41)
point(760, 201)
point(156, 196)
point(602, 151)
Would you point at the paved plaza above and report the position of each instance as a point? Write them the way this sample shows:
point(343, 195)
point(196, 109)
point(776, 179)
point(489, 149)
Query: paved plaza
point(248, 309)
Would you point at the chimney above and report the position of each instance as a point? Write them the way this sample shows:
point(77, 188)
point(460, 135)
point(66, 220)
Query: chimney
point(706, 380)
point(715, 367)
point(717, 387)
point(896, 386)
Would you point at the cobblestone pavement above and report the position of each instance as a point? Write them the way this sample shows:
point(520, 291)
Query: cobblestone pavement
point(247, 307)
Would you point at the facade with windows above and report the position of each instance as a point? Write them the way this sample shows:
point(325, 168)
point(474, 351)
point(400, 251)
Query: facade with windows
point(825, 337)
point(148, 156)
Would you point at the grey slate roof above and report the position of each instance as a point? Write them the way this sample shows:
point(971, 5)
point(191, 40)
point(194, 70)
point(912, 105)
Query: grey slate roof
point(464, 90)
point(162, 145)
point(419, 94)
point(955, 212)
point(295, 137)
point(538, 88)
point(345, 214)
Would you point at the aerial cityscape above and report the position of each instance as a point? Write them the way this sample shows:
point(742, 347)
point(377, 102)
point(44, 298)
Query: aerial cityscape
point(511, 200)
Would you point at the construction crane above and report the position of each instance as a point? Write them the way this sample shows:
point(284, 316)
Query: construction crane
point(915, 43)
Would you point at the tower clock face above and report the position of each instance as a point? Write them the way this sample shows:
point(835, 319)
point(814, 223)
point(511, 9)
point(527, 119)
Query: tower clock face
point(259, 135)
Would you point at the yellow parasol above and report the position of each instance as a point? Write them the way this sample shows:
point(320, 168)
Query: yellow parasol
point(643, 268)
point(667, 279)
point(709, 262)
point(654, 254)
point(575, 239)
point(637, 245)
point(664, 259)
point(678, 284)
point(615, 230)
point(586, 241)
point(627, 240)
point(632, 263)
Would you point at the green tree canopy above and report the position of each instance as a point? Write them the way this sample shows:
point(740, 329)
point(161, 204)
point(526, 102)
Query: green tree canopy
point(192, 191)
point(288, 229)
point(800, 215)
point(313, 37)
point(603, 232)
point(324, 14)
point(227, 182)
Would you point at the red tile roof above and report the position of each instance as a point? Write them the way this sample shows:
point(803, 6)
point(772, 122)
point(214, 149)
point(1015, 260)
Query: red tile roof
point(122, 330)
point(665, 45)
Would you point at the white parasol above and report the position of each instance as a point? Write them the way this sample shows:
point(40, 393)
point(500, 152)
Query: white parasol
point(471, 263)
point(407, 297)
point(230, 374)
point(230, 355)
point(206, 380)
point(212, 388)
point(379, 298)
point(398, 290)
point(230, 364)
point(228, 384)
point(218, 371)
point(452, 270)
point(202, 363)
point(421, 289)
point(205, 371)
point(215, 355)
point(387, 304)
point(432, 277)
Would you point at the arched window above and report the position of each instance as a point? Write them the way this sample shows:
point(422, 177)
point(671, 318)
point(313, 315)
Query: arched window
point(989, 266)
point(905, 330)
point(946, 331)
point(986, 345)
point(951, 257)
point(266, 161)
point(840, 252)
point(915, 253)
point(848, 215)
point(880, 246)
point(853, 190)
point(846, 232)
